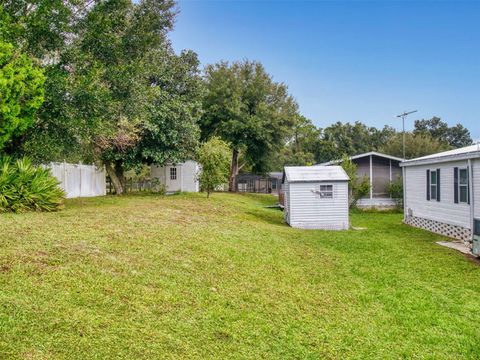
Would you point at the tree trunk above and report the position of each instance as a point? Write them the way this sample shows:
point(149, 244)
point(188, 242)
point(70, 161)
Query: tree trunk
point(116, 175)
point(120, 171)
point(233, 171)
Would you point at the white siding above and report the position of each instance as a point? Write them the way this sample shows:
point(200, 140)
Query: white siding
point(445, 210)
point(476, 187)
point(307, 210)
point(187, 176)
point(190, 170)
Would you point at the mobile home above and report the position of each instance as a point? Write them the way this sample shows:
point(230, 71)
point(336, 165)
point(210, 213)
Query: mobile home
point(380, 169)
point(442, 192)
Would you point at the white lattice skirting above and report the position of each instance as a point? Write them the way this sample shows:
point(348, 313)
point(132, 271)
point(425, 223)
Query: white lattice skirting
point(452, 231)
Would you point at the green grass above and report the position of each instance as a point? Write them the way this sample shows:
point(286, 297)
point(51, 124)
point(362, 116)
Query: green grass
point(185, 277)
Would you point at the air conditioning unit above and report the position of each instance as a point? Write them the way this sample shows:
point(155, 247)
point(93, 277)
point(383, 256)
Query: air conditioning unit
point(476, 237)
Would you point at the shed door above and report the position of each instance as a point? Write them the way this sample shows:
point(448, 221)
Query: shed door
point(174, 178)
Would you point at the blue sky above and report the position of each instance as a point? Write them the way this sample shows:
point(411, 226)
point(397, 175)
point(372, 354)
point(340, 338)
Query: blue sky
point(348, 61)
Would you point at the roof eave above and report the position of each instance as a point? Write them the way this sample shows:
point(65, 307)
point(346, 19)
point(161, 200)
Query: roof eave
point(359, 156)
point(466, 156)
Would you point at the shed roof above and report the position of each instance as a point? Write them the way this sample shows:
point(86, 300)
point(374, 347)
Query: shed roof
point(467, 152)
point(359, 156)
point(314, 173)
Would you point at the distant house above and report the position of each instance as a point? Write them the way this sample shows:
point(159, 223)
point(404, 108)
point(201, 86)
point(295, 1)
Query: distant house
point(316, 197)
point(255, 183)
point(380, 169)
point(178, 177)
point(442, 192)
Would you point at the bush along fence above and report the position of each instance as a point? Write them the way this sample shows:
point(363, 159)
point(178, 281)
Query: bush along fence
point(79, 180)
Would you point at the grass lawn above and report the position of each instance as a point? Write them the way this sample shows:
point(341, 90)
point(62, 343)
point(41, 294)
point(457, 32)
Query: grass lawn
point(188, 277)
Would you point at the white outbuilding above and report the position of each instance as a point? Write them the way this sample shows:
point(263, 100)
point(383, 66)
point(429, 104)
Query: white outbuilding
point(316, 197)
point(178, 177)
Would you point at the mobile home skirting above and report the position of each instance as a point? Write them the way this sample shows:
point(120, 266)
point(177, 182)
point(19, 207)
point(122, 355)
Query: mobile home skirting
point(437, 227)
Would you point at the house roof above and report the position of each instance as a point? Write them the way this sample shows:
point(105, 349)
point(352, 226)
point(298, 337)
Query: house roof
point(276, 174)
point(374, 153)
point(314, 173)
point(467, 152)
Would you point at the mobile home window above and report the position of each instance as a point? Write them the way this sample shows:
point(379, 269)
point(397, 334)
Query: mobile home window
point(463, 185)
point(326, 192)
point(433, 185)
point(173, 173)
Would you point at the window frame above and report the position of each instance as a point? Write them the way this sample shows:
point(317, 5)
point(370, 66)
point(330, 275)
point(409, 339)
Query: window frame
point(173, 173)
point(433, 194)
point(322, 193)
point(465, 185)
point(273, 184)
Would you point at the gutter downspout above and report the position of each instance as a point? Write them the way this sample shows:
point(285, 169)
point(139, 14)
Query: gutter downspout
point(390, 164)
point(404, 176)
point(472, 197)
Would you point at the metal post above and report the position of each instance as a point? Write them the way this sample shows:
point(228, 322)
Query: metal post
point(403, 127)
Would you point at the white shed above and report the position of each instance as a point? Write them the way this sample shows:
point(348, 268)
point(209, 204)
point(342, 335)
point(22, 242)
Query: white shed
point(178, 177)
point(316, 197)
point(442, 192)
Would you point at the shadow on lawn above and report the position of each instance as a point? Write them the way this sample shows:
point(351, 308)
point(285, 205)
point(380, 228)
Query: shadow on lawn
point(271, 216)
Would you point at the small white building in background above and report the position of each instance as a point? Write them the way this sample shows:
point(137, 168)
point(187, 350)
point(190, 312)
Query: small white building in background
point(316, 197)
point(178, 177)
point(442, 192)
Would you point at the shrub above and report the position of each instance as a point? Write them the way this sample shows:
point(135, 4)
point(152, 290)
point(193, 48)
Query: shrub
point(395, 190)
point(358, 187)
point(214, 156)
point(24, 187)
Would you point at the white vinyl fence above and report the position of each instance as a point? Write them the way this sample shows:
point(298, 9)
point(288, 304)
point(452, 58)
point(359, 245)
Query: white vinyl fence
point(78, 180)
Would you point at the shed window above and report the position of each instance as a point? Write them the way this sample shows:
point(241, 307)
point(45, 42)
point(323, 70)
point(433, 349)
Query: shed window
point(326, 192)
point(463, 185)
point(173, 173)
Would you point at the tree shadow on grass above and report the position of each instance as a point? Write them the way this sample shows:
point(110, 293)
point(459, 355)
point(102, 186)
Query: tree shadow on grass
point(271, 216)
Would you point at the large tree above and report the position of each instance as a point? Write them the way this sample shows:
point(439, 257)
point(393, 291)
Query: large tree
point(246, 108)
point(44, 30)
point(138, 99)
point(300, 146)
point(346, 138)
point(116, 91)
point(455, 136)
point(416, 145)
point(21, 92)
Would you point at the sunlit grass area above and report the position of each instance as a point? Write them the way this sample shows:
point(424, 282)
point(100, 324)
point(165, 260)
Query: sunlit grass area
point(188, 277)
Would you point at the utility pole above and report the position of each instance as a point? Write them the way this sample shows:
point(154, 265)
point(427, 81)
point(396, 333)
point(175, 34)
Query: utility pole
point(403, 116)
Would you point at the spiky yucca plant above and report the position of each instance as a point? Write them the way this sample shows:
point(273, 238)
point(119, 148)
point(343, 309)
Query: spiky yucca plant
point(24, 187)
